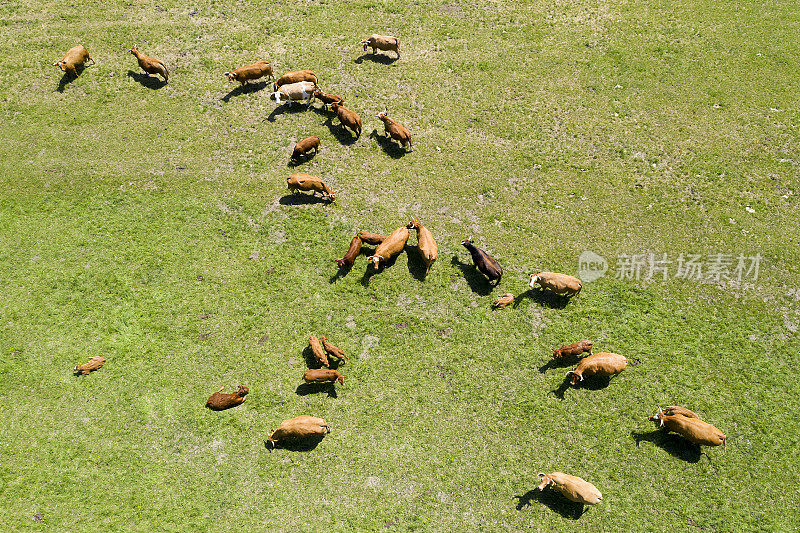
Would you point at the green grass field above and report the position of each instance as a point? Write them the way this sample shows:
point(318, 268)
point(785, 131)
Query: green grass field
point(151, 225)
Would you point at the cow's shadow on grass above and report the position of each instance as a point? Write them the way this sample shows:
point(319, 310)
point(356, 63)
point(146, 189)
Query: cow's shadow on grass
point(552, 499)
point(305, 158)
point(673, 444)
point(371, 271)
point(558, 363)
point(311, 360)
point(343, 135)
point(477, 282)
point(304, 389)
point(146, 80)
point(589, 383)
point(303, 445)
point(340, 273)
point(68, 78)
point(383, 59)
point(247, 88)
point(288, 107)
point(392, 149)
point(416, 265)
point(302, 199)
point(543, 298)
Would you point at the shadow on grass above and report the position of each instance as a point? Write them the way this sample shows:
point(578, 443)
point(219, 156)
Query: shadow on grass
point(303, 445)
point(558, 363)
point(342, 134)
point(477, 281)
point(311, 360)
point(383, 59)
point(589, 383)
point(302, 199)
point(392, 149)
point(305, 158)
point(543, 298)
point(288, 107)
point(146, 80)
point(416, 264)
point(304, 389)
point(247, 88)
point(371, 271)
point(552, 499)
point(68, 78)
point(340, 273)
point(673, 444)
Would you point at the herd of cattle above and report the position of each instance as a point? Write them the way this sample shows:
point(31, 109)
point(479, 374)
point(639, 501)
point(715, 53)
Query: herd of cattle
point(303, 86)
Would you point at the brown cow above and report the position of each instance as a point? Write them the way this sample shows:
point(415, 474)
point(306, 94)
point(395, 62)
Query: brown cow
point(503, 301)
point(151, 65)
point(561, 284)
point(382, 42)
point(397, 131)
point(219, 401)
point(425, 243)
point(573, 350)
point(244, 74)
point(371, 238)
point(75, 57)
point(295, 77)
point(323, 375)
point(603, 364)
point(303, 147)
point(332, 350)
point(307, 182)
point(94, 363)
point(316, 349)
point(328, 99)
point(390, 247)
point(298, 428)
point(348, 118)
point(572, 487)
point(350, 257)
point(688, 425)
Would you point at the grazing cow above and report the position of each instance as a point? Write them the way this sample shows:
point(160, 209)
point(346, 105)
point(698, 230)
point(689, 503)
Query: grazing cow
point(425, 243)
point(151, 65)
point(573, 350)
point(561, 284)
point(688, 425)
point(348, 118)
point(352, 252)
point(390, 247)
point(302, 148)
point(295, 92)
point(295, 77)
point(76, 56)
point(94, 363)
point(484, 262)
point(397, 131)
point(307, 182)
point(371, 238)
point(316, 349)
point(603, 364)
point(257, 70)
point(384, 43)
point(503, 301)
point(332, 350)
point(328, 99)
point(219, 401)
point(298, 428)
point(572, 487)
point(323, 375)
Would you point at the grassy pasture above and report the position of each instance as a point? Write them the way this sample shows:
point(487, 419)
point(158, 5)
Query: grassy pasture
point(150, 225)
